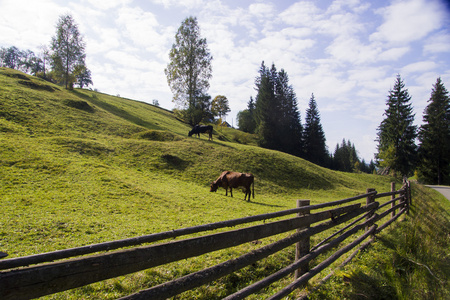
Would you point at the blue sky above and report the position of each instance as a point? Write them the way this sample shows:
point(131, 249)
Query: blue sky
point(347, 52)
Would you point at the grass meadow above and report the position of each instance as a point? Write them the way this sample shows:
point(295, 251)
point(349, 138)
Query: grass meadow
point(81, 167)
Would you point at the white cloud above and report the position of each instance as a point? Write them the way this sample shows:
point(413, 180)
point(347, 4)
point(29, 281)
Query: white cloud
point(351, 50)
point(393, 54)
point(418, 67)
point(26, 25)
point(190, 4)
point(437, 43)
point(264, 10)
point(102, 39)
point(409, 20)
point(105, 5)
point(341, 24)
point(303, 13)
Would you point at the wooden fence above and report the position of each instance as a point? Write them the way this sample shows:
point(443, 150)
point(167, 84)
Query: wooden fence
point(43, 274)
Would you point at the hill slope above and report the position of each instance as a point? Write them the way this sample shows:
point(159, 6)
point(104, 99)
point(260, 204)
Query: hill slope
point(80, 167)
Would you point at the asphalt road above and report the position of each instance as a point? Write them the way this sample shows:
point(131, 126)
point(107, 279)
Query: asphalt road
point(444, 190)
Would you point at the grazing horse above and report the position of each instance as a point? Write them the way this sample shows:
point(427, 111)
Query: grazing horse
point(202, 129)
point(233, 180)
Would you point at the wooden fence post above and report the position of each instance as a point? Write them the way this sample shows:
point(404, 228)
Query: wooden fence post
point(393, 197)
point(302, 247)
point(407, 196)
point(369, 199)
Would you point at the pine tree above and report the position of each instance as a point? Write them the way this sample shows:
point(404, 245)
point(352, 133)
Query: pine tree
point(396, 134)
point(434, 137)
point(313, 136)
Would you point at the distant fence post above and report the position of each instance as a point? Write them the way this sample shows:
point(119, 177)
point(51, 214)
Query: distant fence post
point(369, 199)
point(407, 195)
point(393, 197)
point(302, 247)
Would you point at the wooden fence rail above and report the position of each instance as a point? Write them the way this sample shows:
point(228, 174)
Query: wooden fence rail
point(43, 274)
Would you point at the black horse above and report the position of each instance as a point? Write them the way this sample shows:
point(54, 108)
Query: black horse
point(202, 129)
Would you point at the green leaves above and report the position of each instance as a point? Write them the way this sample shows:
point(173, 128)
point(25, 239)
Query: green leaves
point(68, 50)
point(189, 69)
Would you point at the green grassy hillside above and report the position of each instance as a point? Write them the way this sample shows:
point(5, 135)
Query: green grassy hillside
point(81, 167)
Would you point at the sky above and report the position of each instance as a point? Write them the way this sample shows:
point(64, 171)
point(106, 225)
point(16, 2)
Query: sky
point(347, 53)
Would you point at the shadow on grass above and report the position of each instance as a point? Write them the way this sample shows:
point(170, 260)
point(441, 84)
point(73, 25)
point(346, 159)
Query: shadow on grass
point(265, 204)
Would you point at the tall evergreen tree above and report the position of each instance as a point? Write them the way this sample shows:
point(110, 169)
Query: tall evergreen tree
point(314, 146)
point(396, 134)
point(289, 126)
point(345, 157)
point(434, 137)
point(68, 49)
point(266, 108)
point(189, 69)
point(276, 112)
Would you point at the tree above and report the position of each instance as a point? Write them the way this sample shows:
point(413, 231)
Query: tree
point(314, 146)
point(44, 56)
point(345, 158)
point(276, 112)
point(434, 137)
point(219, 106)
point(266, 108)
point(82, 75)
point(290, 127)
point(68, 49)
point(396, 134)
point(189, 69)
point(246, 118)
point(10, 57)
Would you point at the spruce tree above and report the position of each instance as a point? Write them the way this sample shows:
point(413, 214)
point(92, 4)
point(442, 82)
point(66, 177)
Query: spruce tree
point(266, 108)
point(289, 126)
point(314, 146)
point(396, 134)
point(434, 137)
point(276, 112)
